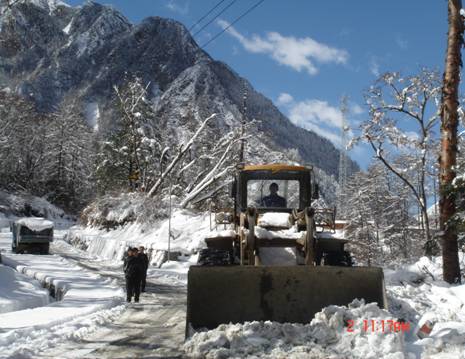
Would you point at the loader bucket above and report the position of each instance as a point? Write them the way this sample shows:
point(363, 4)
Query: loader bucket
point(236, 294)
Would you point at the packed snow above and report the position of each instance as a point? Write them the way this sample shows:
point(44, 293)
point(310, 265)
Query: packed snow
point(83, 300)
point(326, 336)
point(35, 224)
point(263, 233)
point(18, 291)
point(274, 219)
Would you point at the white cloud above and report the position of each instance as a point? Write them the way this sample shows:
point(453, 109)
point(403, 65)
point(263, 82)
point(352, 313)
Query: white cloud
point(316, 111)
point(317, 116)
point(356, 109)
point(401, 42)
point(374, 66)
point(284, 99)
point(299, 54)
point(178, 6)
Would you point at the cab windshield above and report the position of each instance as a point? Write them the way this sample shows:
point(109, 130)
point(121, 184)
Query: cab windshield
point(273, 193)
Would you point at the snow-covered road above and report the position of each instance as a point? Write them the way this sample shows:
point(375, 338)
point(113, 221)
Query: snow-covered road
point(91, 320)
point(153, 328)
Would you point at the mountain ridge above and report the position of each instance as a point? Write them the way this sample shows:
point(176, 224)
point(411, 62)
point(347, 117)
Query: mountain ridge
point(85, 51)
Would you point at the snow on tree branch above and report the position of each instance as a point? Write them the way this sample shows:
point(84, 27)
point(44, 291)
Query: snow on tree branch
point(181, 152)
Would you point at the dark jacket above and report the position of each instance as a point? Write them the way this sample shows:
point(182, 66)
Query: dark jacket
point(145, 260)
point(133, 266)
point(274, 200)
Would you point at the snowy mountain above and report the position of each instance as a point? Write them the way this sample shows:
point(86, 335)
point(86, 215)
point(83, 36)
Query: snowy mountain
point(50, 50)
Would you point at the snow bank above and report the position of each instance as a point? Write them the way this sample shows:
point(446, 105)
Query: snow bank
point(417, 293)
point(188, 231)
point(35, 224)
point(327, 336)
point(19, 292)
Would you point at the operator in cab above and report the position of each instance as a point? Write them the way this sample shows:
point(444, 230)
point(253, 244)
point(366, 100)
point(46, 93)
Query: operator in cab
point(274, 199)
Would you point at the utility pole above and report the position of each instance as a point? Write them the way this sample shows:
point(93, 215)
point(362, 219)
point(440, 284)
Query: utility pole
point(343, 157)
point(448, 156)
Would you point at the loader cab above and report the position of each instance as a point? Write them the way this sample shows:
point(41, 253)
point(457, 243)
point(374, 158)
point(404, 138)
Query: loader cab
point(273, 188)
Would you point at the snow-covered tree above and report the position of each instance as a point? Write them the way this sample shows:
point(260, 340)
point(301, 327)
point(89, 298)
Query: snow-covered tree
point(362, 225)
point(402, 131)
point(69, 156)
point(22, 144)
point(379, 219)
point(130, 158)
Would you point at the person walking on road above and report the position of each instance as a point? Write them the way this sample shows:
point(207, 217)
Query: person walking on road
point(145, 265)
point(133, 269)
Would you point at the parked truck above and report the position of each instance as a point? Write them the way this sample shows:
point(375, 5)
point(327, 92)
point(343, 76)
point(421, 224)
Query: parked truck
point(32, 235)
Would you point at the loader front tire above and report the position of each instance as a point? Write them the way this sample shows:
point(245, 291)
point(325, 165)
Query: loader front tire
point(214, 257)
point(340, 259)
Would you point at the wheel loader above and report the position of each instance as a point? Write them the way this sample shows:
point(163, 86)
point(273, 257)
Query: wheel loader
point(234, 281)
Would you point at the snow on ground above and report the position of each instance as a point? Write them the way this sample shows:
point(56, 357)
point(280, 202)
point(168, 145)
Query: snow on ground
point(173, 269)
point(326, 336)
point(85, 301)
point(18, 291)
point(415, 292)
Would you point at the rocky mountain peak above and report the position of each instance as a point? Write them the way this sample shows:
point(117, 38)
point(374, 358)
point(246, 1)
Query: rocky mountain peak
point(50, 50)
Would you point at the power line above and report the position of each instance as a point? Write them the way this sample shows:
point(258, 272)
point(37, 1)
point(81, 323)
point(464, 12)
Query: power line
point(208, 13)
point(231, 24)
point(216, 16)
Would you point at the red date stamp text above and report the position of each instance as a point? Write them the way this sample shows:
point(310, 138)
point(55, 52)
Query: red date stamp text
point(378, 326)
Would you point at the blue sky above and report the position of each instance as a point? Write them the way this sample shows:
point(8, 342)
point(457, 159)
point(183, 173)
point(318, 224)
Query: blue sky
point(305, 55)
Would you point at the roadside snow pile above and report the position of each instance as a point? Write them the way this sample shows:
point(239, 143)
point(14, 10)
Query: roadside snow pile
point(81, 294)
point(188, 231)
point(327, 336)
point(19, 292)
point(118, 209)
point(418, 294)
point(274, 219)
